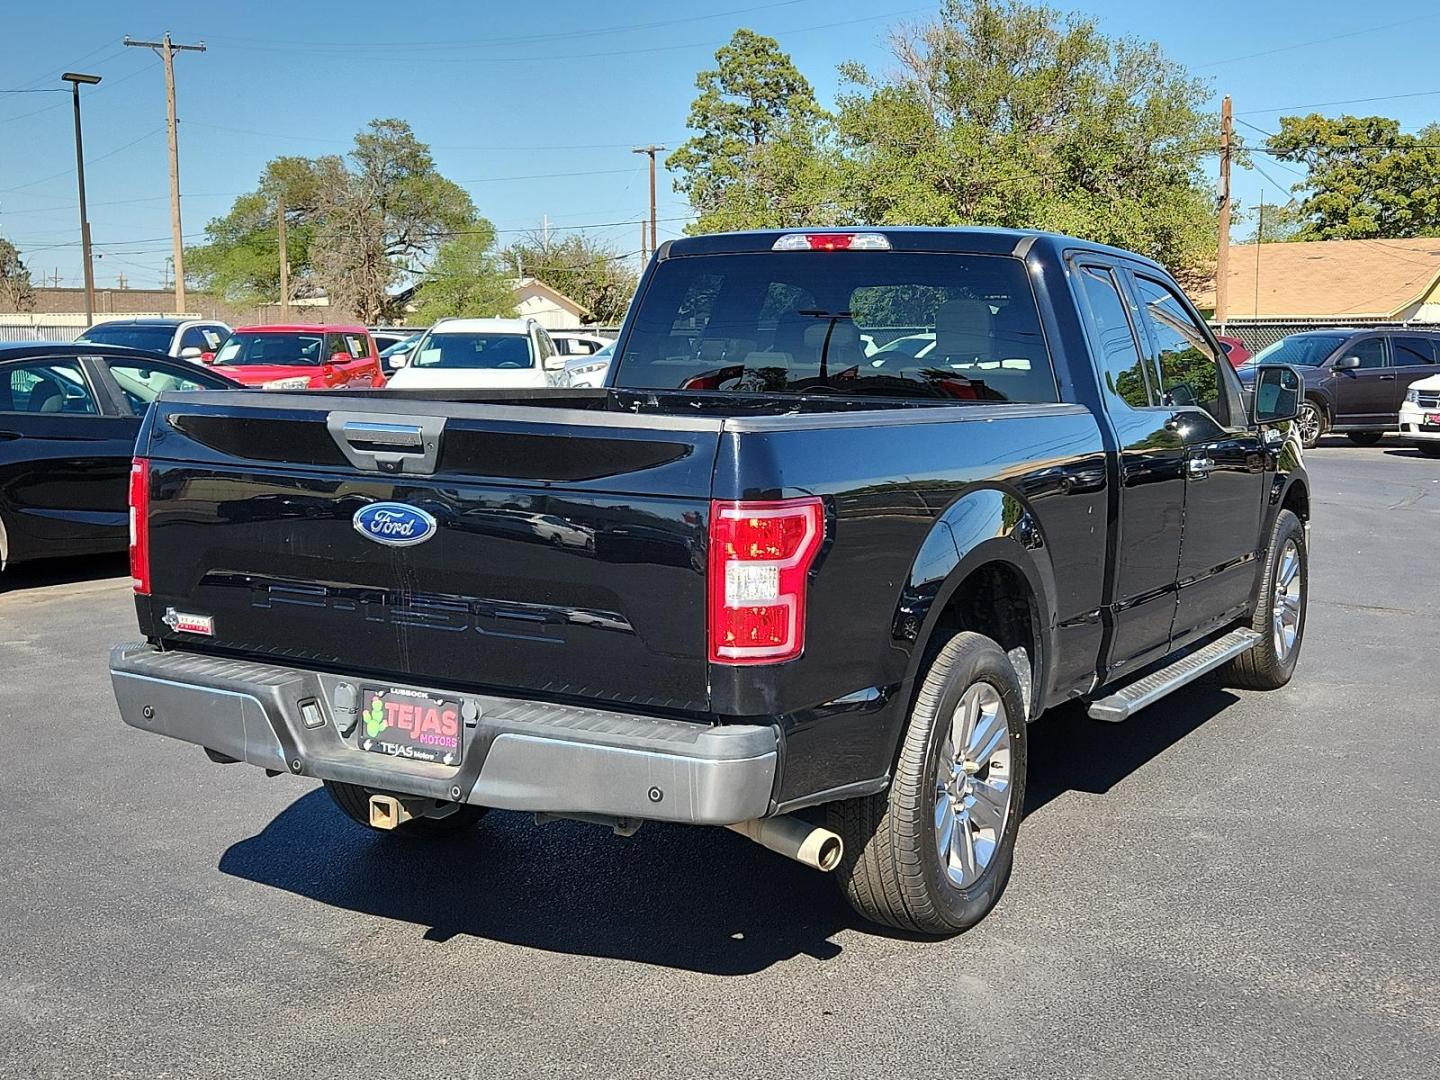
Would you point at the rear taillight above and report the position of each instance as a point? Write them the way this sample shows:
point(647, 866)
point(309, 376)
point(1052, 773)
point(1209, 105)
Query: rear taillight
point(760, 559)
point(140, 525)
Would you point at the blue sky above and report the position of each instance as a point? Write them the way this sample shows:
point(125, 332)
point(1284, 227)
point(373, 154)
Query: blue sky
point(511, 94)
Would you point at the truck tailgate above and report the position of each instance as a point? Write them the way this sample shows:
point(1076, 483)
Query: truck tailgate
point(567, 557)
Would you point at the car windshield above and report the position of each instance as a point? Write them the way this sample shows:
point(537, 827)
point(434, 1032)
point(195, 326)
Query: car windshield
point(464, 349)
point(1303, 350)
point(248, 349)
point(130, 336)
point(798, 322)
point(404, 345)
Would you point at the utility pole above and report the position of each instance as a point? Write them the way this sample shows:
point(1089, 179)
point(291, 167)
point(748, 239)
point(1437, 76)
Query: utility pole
point(1222, 260)
point(1259, 239)
point(643, 256)
point(75, 79)
point(284, 260)
point(651, 151)
point(167, 50)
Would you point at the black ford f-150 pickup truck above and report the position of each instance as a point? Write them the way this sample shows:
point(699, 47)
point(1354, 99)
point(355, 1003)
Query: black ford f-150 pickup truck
point(853, 507)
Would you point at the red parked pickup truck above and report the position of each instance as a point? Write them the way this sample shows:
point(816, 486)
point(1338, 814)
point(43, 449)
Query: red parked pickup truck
point(301, 357)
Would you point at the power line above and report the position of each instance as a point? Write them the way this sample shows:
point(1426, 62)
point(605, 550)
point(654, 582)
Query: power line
point(92, 160)
point(647, 50)
point(1318, 41)
point(96, 90)
point(289, 45)
point(1344, 101)
point(434, 146)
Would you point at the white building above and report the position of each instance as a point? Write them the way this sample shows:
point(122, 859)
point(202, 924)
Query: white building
point(549, 307)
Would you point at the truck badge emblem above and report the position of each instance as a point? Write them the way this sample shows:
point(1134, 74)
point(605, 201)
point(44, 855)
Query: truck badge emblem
point(395, 524)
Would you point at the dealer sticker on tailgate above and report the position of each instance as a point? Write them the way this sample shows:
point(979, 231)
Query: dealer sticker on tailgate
point(410, 724)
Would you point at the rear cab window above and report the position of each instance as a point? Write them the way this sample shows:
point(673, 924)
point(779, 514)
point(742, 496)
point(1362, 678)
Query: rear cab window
point(798, 322)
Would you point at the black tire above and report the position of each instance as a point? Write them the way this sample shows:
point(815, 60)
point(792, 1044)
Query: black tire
point(1266, 666)
point(1312, 423)
point(892, 872)
point(354, 802)
point(1429, 449)
point(1365, 438)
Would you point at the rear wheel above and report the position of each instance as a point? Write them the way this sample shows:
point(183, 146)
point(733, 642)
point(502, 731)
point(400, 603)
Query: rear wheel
point(1280, 615)
point(1365, 438)
point(354, 801)
point(1429, 449)
point(932, 854)
point(1311, 423)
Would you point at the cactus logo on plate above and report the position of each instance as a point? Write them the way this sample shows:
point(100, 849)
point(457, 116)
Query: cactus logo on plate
point(394, 523)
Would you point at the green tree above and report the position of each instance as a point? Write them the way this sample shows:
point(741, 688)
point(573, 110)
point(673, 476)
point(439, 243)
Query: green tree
point(16, 292)
point(579, 266)
point(1367, 179)
point(467, 278)
point(761, 139)
point(240, 259)
point(357, 225)
point(999, 112)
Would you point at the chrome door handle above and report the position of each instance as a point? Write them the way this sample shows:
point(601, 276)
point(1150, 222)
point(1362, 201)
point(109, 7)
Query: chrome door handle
point(1387, 378)
point(1198, 468)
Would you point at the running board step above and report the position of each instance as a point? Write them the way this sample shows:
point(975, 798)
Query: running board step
point(1129, 700)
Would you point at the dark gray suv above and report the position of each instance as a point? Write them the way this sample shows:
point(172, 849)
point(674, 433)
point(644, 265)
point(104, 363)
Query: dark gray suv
point(1355, 380)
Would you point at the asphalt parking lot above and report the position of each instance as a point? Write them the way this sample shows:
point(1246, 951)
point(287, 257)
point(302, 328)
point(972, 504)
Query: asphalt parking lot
point(1231, 885)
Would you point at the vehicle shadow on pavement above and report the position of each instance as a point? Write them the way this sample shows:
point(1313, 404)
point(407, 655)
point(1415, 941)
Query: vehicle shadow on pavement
point(704, 900)
point(45, 572)
point(1070, 752)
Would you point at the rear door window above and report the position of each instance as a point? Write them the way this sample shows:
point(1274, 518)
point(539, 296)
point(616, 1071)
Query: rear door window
point(1118, 352)
point(46, 387)
point(1413, 351)
point(799, 322)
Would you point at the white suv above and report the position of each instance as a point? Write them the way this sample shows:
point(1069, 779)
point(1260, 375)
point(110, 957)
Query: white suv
point(1420, 416)
point(468, 354)
point(188, 339)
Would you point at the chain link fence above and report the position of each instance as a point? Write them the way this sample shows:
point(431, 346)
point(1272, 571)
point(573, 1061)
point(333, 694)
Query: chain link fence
point(1258, 333)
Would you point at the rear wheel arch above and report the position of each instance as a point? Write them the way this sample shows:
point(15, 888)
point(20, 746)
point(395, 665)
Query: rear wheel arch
point(1297, 500)
point(996, 589)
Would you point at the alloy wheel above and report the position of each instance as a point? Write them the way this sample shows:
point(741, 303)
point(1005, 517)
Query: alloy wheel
point(1289, 603)
point(1309, 423)
point(973, 786)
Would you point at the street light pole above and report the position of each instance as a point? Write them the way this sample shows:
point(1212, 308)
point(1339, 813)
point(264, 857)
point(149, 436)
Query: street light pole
point(75, 79)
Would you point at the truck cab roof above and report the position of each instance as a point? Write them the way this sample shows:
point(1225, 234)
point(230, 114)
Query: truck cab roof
point(1017, 242)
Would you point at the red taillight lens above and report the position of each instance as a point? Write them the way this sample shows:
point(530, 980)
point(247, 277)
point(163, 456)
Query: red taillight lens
point(140, 525)
point(760, 559)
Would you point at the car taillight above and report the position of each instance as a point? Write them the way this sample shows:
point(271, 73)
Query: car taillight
point(760, 559)
point(140, 525)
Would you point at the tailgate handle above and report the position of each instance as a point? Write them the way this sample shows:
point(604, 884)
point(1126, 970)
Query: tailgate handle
point(383, 442)
point(385, 435)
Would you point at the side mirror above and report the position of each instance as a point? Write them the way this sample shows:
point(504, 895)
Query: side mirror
point(191, 352)
point(1277, 393)
point(340, 358)
point(398, 360)
point(555, 363)
point(207, 357)
point(1346, 363)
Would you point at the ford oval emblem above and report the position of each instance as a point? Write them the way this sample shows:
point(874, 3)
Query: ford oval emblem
point(394, 523)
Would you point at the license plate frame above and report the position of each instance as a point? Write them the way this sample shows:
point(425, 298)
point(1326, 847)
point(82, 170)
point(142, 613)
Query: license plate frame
point(410, 725)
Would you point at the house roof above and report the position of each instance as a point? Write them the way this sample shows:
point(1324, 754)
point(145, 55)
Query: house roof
point(1330, 278)
point(535, 285)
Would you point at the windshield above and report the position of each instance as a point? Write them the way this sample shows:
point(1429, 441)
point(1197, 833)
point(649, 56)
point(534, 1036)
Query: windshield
point(403, 345)
point(487, 351)
point(818, 322)
point(130, 336)
point(282, 349)
point(1304, 350)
